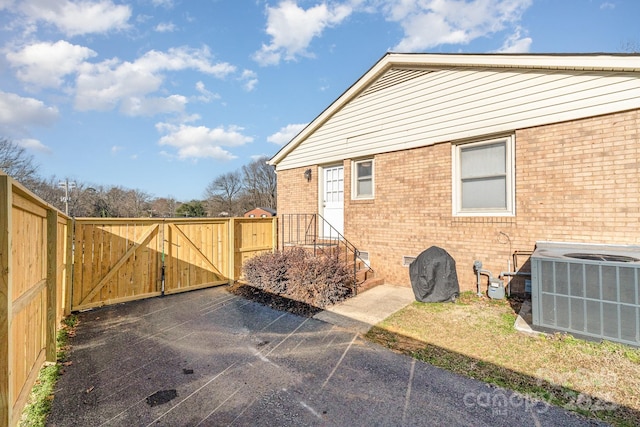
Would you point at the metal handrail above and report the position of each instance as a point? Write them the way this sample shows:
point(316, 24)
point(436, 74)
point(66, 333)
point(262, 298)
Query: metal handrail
point(311, 224)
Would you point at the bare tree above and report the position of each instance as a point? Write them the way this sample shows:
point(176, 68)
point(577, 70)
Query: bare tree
point(630, 46)
point(48, 191)
point(17, 163)
point(163, 207)
point(223, 194)
point(141, 203)
point(124, 203)
point(259, 181)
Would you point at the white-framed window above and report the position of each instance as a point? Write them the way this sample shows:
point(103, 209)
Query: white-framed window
point(362, 172)
point(483, 178)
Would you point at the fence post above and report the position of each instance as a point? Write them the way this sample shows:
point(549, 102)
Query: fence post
point(6, 394)
point(274, 234)
point(232, 250)
point(68, 269)
point(52, 283)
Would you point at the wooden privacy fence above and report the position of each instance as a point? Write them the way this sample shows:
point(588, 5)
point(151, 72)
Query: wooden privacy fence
point(34, 265)
point(51, 265)
point(118, 260)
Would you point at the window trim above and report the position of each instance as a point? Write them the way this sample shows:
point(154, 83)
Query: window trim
point(354, 179)
point(456, 193)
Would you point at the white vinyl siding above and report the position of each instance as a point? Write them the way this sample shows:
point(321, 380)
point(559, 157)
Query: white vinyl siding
point(455, 104)
point(483, 178)
point(363, 179)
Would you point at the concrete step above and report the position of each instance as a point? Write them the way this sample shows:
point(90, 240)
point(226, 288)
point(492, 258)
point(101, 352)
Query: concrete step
point(370, 283)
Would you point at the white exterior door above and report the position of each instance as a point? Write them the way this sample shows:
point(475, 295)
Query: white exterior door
point(333, 200)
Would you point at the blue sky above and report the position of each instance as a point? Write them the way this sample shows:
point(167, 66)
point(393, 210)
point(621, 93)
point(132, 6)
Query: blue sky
point(165, 95)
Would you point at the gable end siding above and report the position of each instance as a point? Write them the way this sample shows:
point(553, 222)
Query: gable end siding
point(447, 105)
point(391, 78)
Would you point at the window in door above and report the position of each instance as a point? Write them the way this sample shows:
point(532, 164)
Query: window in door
point(334, 185)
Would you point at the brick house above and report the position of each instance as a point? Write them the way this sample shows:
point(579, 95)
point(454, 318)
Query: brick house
point(260, 213)
point(482, 155)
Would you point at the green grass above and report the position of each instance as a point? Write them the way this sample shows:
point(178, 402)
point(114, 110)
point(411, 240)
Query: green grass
point(475, 337)
point(41, 397)
point(36, 411)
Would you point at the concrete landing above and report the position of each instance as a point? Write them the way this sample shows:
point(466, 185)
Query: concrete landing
point(368, 308)
point(525, 320)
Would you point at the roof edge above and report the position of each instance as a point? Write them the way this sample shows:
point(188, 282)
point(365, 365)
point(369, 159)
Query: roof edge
point(551, 61)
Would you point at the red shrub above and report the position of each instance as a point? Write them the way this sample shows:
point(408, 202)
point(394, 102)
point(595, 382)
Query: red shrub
point(298, 275)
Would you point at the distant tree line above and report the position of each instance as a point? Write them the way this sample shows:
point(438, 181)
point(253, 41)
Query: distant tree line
point(230, 194)
point(233, 193)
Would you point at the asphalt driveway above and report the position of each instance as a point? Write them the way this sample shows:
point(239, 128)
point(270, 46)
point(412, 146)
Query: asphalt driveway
point(211, 358)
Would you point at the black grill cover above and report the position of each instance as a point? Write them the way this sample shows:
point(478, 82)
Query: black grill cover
point(433, 276)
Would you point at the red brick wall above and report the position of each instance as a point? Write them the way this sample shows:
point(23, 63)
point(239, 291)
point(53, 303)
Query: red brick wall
point(296, 195)
point(576, 181)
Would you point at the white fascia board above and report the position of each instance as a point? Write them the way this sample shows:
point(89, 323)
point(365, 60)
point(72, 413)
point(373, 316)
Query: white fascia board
point(581, 62)
point(379, 68)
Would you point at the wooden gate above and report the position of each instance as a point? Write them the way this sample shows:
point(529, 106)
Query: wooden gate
point(118, 260)
point(196, 254)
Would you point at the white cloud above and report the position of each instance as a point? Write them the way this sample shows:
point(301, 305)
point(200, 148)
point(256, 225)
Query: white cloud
point(250, 79)
point(427, 24)
point(33, 145)
point(19, 113)
point(607, 5)
point(165, 27)
point(105, 85)
point(195, 142)
point(46, 64)
point(78, 17)
point(286, 134)
point(165, 3)
point(141, 18)
point(515, 43)
point(181, 58)
point(292, 29)
point(135, 106)
point(205, 94)
point(5, 4)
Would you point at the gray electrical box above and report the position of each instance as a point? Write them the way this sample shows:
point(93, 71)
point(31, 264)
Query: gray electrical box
point(496, 289)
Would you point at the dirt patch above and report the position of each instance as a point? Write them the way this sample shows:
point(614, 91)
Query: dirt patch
point(277, 302)
point(161, 397)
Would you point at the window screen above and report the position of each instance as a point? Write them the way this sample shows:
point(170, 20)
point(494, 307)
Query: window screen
point(363, 180)
point(483, 176)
